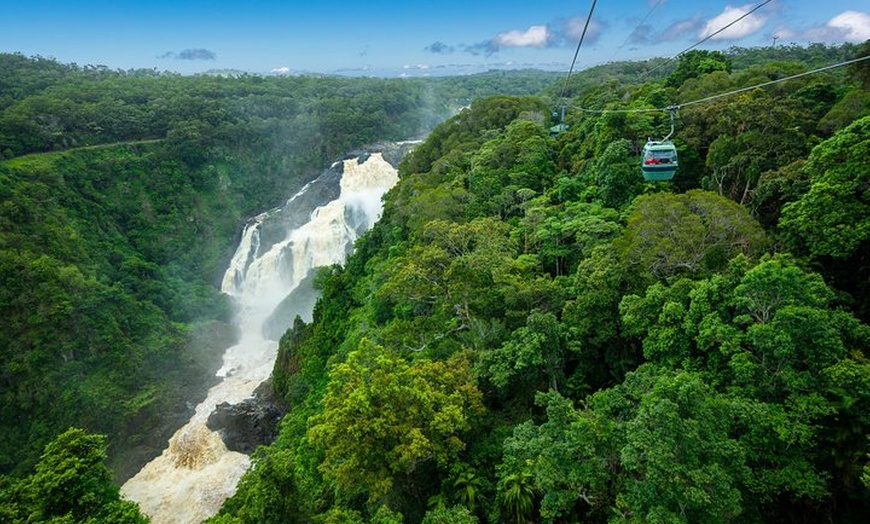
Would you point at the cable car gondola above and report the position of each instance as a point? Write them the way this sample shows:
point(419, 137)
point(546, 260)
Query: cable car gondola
point(560, 127)
point(658, 161)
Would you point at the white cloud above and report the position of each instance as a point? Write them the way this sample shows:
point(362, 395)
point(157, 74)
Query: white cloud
point(850, 26)
point(281, 71)
point(574, 28)
point(535, 36)
point(745, 27)
point(854, 25)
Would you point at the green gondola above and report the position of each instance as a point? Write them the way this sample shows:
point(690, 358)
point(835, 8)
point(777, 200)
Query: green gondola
point(659, 160)
point(560, 125)
point(558, 129)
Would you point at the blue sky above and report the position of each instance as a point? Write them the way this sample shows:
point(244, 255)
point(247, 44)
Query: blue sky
point(393, 38)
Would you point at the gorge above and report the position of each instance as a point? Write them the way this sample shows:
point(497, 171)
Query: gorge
point(270, 279)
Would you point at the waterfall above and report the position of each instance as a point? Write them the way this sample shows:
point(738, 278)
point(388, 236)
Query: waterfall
point(278, 250)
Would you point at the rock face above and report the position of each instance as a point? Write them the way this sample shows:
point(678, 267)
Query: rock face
point(251, 423)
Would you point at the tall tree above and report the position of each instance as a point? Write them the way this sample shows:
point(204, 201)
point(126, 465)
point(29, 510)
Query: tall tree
point(385, 418)
point(692, 234)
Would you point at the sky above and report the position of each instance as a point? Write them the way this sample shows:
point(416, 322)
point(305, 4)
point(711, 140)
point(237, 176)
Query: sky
point(391, 38)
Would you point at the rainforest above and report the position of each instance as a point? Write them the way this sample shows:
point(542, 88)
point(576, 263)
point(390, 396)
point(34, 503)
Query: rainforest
point(530, 333)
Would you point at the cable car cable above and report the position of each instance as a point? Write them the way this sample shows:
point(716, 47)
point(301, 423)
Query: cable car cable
point(577, 52)
point(729, 93)
point(644, 74)
point(711, 35)
point(645, 18)
point(659, 159)
point(771, 82)
point(561, 127)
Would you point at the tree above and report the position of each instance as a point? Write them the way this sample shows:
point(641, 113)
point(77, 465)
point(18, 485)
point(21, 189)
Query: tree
point(534, 352)
point(831, 221)
point(467, 484)
point(516, 161)
point(833, 217)
point(617, 175)
point(696, 63)
point(268, 497)
point(681, 462)
point(446, 282)
point(383, 417)
point(71, 484)
point(860, 71)
point(565, 456)
point(770, 337)
point(692, 234)
point(516, 496)
point(601, 354)
point(71, 477)
point(452, 515)
point(752, 133)
point(656, 448)
point(562, 235)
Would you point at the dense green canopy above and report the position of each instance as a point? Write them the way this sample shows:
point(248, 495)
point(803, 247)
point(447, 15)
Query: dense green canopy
point(665, 352)
point(531, 333)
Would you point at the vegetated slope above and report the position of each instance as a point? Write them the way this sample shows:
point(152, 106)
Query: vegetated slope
point(122, 194)
point(533, 334)
point(71, 483)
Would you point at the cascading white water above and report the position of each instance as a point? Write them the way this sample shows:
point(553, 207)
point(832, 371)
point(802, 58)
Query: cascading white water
point(190, 480)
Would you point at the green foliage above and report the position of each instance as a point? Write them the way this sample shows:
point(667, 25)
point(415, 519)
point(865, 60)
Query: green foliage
point(71, 478)
point(560, 456)
point(97, 280)
point(741, 146)
point(384, 417)
point(510, 169)
point(340, 516)
point(71, 484)
point(453, 515)
point(530, 333)
point(384, 515)
point(516, 496)
point(683, 463)
point(860, 71)
point(615, 172)
point(833, 217)
point(767, 335)
point(466, 131)
point(629, 352)
point(854, 105)
point(533, 355)
point(813, 56)
point(269, 497)
point(692, 234)
point(831, 220)
point(696, 63)
point(593, 325)
point(120, 196)
point(563, 235)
